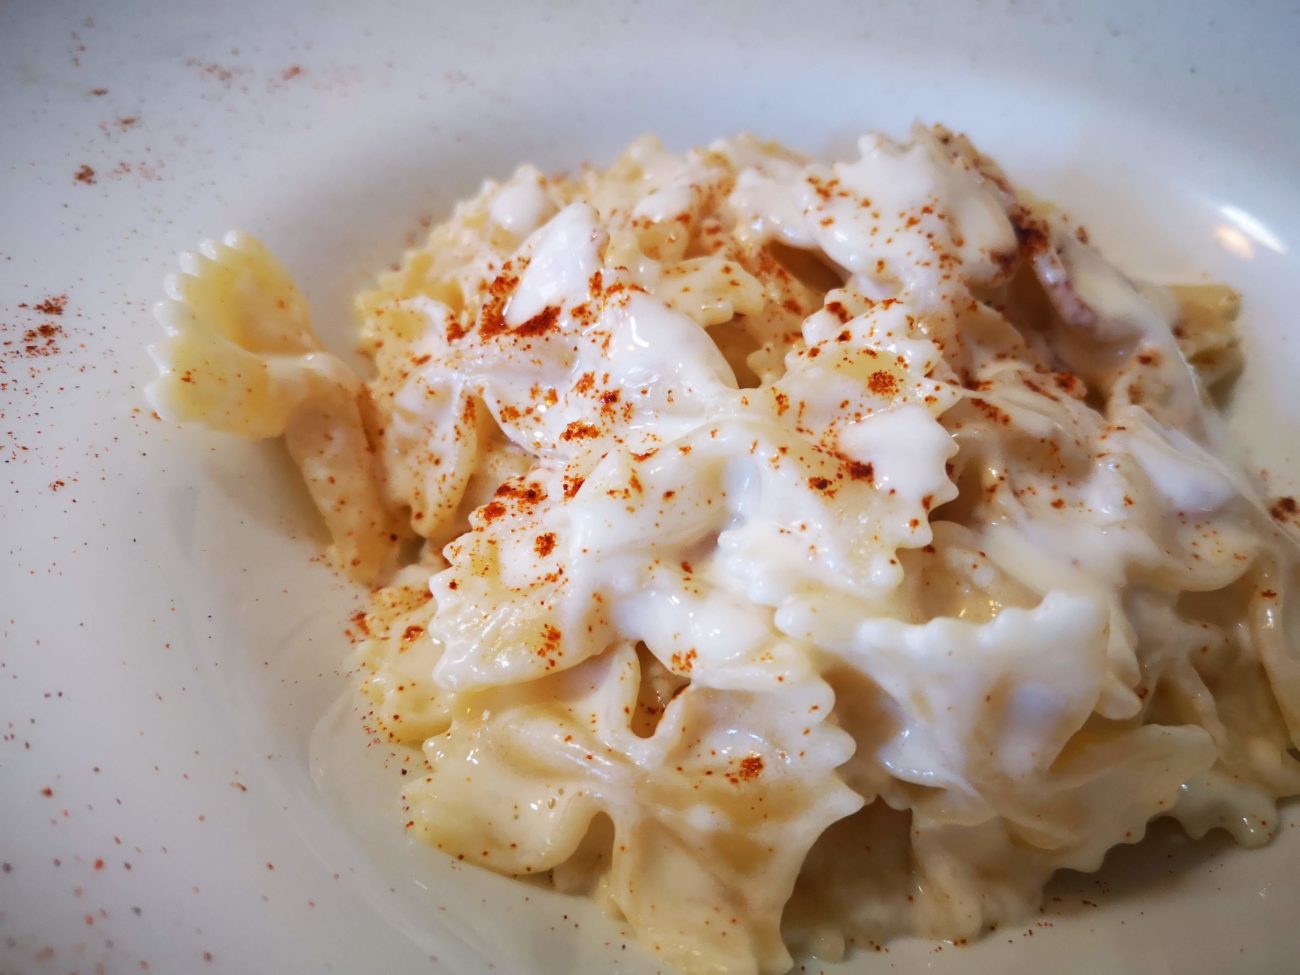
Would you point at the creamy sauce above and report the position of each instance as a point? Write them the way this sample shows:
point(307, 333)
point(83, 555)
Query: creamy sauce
point(908, 531)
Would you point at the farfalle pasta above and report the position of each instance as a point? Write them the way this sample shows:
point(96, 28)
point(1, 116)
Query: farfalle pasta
point(805, 554)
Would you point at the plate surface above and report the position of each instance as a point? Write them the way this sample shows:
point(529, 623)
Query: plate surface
point(169, 643)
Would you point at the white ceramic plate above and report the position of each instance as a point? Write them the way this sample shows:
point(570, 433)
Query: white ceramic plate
point(168, 644)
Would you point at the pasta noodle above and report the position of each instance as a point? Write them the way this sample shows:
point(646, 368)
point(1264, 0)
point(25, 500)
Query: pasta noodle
point(807, 553)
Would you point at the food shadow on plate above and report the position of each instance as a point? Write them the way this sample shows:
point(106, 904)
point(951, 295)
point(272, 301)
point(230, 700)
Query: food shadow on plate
point(1156, 865)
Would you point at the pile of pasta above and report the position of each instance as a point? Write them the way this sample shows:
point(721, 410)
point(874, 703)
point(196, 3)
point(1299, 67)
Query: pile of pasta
point(789, 554)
